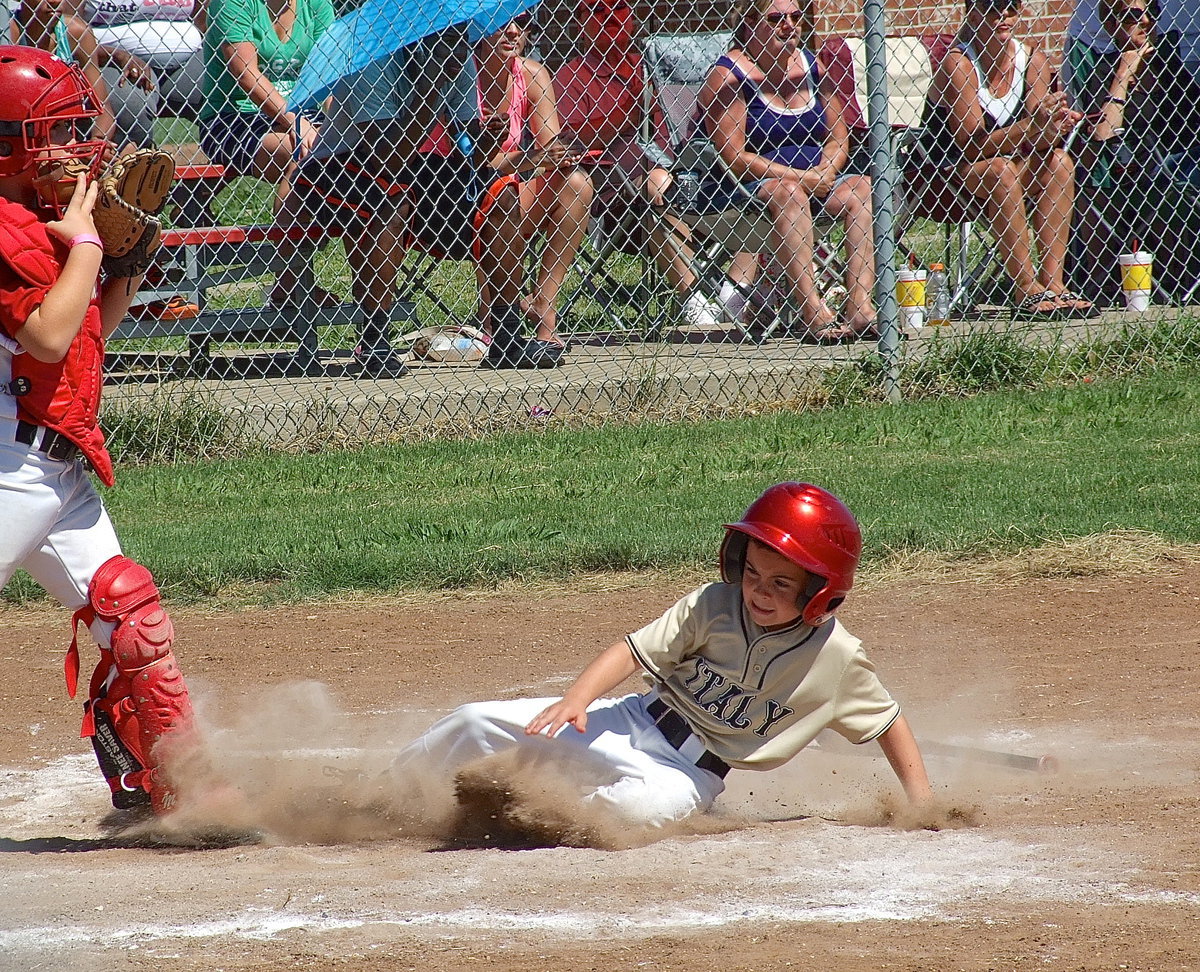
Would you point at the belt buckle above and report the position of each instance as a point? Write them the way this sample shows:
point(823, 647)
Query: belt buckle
point(59, 447)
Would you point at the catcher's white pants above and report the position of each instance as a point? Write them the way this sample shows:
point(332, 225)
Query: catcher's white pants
point(55, 525)
point(632, 768)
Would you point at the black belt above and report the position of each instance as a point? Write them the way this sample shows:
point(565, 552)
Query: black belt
point(51, 444)
point(677, 732)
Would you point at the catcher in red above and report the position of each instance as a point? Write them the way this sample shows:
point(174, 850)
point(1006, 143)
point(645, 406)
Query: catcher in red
point(73, 248)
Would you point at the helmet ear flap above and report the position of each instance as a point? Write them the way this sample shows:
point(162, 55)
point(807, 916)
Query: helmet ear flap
point(733, 556)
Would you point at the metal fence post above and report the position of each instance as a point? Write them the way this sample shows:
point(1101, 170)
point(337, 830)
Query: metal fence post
point(883, 183)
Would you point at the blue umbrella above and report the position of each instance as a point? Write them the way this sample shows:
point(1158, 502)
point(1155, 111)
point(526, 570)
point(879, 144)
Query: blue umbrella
point(379, 27)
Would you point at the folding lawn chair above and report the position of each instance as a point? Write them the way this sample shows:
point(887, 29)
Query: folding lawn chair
point(678, 65)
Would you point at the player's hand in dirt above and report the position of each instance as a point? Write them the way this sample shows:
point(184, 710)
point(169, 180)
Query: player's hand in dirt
point(78, 216)
point(554, 717)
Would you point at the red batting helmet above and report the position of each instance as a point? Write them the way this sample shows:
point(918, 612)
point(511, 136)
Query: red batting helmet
point(37, 93)
point(810, 527)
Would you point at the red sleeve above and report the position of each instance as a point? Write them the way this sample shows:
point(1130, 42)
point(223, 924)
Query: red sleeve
point(18, 299)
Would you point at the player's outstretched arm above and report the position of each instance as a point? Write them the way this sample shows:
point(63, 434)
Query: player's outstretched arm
point(900, 747)
point(608, 670)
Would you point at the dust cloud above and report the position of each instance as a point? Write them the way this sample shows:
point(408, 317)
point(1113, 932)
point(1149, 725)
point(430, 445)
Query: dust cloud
point(293, 768)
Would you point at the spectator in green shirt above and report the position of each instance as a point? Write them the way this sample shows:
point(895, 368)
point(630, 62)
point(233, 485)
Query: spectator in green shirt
point(253, 52)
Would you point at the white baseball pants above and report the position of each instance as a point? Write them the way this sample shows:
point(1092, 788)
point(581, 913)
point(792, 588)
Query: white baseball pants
point(55, 525)
point(634, 770)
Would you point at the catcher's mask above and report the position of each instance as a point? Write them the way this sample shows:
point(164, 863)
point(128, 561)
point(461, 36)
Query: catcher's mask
point(46, 113)
point(810, 527)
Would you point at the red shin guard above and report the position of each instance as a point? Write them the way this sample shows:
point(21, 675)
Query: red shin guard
point(137, 696)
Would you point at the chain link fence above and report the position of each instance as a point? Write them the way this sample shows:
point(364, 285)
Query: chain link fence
point(610, 211)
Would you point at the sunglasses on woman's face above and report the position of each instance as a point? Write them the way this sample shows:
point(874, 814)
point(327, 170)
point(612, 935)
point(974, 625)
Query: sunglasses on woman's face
point(1135, 15)
point(1000, 8)
point(777, 17)
point(522, 21)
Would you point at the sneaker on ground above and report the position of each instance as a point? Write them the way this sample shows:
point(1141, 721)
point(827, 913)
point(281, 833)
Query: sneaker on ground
point(702, 311)
point(381, 363)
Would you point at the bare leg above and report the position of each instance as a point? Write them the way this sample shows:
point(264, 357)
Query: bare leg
point(793, 242)
point(851, 202)
point(672, 254)
point(997, 184)
point(273, 163)
point(1050, 181)
point(558, 204)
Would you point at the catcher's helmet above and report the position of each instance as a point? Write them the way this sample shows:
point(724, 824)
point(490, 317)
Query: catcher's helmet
point(810, 527)
point(37, 93)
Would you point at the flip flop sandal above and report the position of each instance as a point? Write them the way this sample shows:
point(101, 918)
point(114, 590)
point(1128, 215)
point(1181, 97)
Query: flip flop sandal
point(1078, 308)
point(1027, 308)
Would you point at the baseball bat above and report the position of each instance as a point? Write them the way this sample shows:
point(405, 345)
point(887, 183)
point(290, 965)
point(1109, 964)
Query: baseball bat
point(1036, 764)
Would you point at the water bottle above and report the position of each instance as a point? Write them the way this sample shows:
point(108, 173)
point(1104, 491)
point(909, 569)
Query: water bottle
point(465, 145)
point(937, 296)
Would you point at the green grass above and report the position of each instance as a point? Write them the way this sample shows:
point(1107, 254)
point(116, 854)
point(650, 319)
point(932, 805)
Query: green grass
point(1000, 471)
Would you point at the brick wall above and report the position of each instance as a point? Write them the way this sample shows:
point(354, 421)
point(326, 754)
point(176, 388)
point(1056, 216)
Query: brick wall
point(1042, 21)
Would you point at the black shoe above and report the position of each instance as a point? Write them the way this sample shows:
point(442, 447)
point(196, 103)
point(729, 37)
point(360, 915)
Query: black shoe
point(383, 363)
point(526, 355)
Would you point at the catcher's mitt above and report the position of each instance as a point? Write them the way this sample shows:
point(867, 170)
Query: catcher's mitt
point(132, 195)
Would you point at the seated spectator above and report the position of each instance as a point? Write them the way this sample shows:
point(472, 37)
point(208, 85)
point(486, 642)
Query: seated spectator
point(600, 96)
point(380, 124)
point(779, 131)
point(164, 35)
point(1086, 38)
point(124, 83)
point(1145, 94)
point(253, 52)
point(996, 129)
point(1142, 161)
point(555, 194)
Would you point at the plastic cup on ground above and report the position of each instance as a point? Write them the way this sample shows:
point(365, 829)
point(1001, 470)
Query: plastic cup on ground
point(910, 295)
point(1136, 279)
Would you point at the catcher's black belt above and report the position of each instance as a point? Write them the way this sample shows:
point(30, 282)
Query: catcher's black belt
point(51, 444)
point(677, 732)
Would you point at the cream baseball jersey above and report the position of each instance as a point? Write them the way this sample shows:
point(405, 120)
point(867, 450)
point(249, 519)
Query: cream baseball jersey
point(755, 697)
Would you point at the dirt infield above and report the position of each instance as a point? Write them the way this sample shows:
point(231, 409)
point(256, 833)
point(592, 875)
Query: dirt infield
point(1093, 868)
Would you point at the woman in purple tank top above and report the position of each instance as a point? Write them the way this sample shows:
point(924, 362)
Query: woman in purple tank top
point(780, 131)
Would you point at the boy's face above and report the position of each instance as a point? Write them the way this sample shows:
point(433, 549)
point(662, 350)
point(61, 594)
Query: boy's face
point(772, 587)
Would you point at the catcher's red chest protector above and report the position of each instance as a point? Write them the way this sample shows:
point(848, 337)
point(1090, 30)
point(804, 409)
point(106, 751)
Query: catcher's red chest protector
point(63, 396)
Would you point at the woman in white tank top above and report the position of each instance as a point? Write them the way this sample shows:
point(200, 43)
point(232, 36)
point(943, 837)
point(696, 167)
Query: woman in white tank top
point(997, 127)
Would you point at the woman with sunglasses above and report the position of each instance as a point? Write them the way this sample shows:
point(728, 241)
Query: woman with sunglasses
point(1147, 92)
point(995, 130)
point(1142, 161)
point(780, 132)
point(555, 195)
